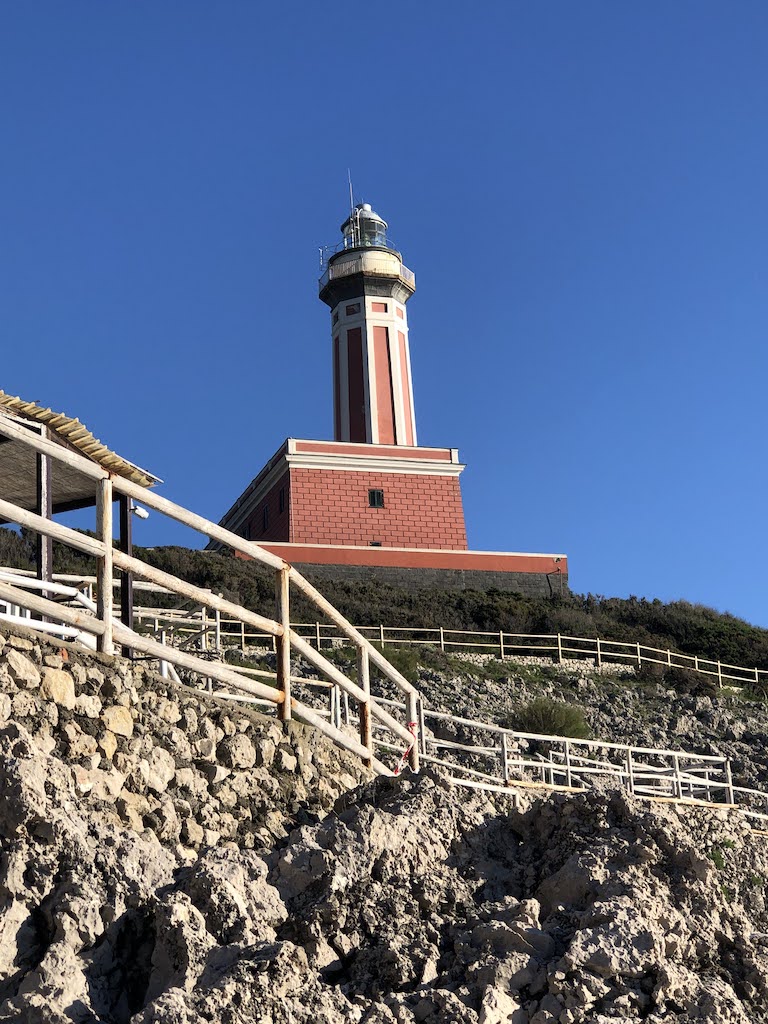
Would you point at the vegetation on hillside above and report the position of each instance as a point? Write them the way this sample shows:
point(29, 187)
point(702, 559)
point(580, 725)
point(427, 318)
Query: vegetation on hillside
point(678, 625)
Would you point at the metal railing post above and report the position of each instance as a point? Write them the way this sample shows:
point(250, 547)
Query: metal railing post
point(413, 722)
point(559, 649)
point(501, 645)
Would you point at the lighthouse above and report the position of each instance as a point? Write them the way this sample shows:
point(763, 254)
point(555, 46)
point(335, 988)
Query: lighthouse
point(374, 504)
point(367, 286)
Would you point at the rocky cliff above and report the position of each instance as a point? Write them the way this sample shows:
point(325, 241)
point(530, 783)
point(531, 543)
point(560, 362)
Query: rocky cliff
point(167, 857)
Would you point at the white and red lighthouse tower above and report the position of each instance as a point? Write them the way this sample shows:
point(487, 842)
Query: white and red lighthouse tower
point(367, 286)
point(373, 499)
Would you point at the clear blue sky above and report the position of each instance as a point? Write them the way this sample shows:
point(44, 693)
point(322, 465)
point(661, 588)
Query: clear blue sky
point(580, 189)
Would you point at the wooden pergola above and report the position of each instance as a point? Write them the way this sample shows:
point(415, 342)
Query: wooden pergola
point(29, 480)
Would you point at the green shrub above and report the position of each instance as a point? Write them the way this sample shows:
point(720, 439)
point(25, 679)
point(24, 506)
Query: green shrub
point(550, 718)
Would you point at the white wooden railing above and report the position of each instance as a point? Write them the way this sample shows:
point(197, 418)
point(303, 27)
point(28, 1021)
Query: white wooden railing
point(101, 623)
point(557, 647)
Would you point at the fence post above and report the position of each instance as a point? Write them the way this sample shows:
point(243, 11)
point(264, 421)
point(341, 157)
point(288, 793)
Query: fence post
point(669, 658)
point(505, 758)
point(282, 601)
point(678, 780)
point(217, 621)
point(317, 635)
point(163, 664)
point(364, 706)
point(559, 650)
point(501, 644)
point(104, 529)
point(242, 637)
point(696, 663)
point(422, 730)
point(599, 658)
point(639, 656)
point(381, 634)
point(719, 675)
point(204, 629)
point(630, 772)
point(442, 639)
point(757, 677)
point(729, 782)
point(567, 755)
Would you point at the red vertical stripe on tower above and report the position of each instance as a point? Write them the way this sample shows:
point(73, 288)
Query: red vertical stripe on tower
point(356, 385)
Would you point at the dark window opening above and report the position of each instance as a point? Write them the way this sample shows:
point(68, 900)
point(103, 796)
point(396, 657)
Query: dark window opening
point(265, 517)
point(281, 500)
point(336, 317)
point(375, 544)
point(353, 308)
point(376, 499)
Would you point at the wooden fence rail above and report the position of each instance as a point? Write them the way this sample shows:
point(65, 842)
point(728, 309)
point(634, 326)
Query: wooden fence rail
point(557, 647)
point(100, 622)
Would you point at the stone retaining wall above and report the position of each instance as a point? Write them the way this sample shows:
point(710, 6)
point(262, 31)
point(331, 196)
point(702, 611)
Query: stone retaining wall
point(194, 769)
point(529, 584)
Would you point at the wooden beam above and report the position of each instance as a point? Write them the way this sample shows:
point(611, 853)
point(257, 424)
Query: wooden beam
point(104, 597)
point(44, 508)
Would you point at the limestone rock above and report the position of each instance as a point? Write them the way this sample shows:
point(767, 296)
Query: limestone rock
point(22, 668)
point(118, 720)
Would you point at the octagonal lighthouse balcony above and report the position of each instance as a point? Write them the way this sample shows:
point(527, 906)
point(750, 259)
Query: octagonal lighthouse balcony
point(365, 249)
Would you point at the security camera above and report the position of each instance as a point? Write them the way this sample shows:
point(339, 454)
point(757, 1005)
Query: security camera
point(140, 512)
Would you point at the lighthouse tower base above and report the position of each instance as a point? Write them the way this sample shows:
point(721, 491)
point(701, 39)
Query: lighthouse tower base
point(383, 512)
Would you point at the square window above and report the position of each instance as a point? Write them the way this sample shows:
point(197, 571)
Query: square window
point(378, 307)
point(352, 308)
point(376, 499)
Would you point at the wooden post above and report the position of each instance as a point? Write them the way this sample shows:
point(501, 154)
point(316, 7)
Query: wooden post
point(163, 664)
point(126, 580)
point(678, 782)
point(719, 675)
point(105, 597)
point(282, 600)
point(696, 662)
point(442, 639)
point(559, 649)
point(729, 783)
point(381, 634)
point(567, 754)
point(669, 658)
point(413, 719)
point(364, 707)
point(630, 773)
point(242, 637)
point(757, 676)
point(317, 635)
point(505, 758)
point(217, 621)
point(599, 658)
point(501, 644)
point(639, 656)
point(44, 508)
point(203, 628)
